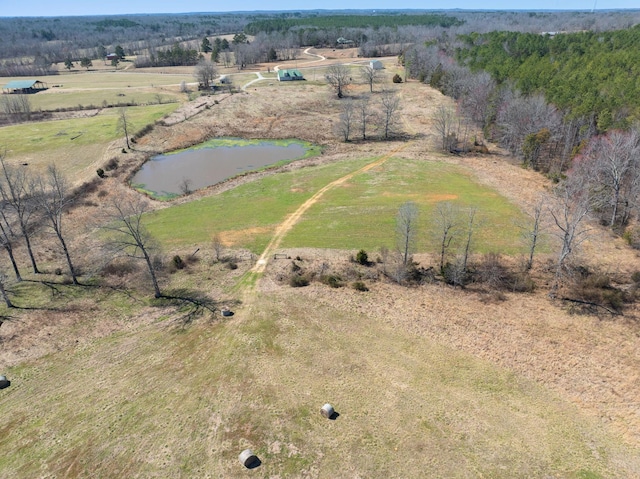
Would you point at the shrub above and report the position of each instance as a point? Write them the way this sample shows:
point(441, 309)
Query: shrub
point(295, 267)
point(178, 263)
point(297, 281)
point(231, 265)
point(635, 277)
point(331, 280)
point(120, 268)
point(362, 257)
point(359, 286)
point(112, 164)
point(397, 78)
point(100, 172)
point(102, 193)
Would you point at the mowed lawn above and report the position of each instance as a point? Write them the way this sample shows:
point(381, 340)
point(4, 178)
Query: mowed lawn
point(358, 214)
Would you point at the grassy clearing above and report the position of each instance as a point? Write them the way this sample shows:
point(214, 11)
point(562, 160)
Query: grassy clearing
point(263, 204)
point(359, 214)
point(168, 402)
point(101, 98)
point(30, 138)
point(101, 79)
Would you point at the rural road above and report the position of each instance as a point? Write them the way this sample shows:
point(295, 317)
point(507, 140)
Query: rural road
point(320, 58)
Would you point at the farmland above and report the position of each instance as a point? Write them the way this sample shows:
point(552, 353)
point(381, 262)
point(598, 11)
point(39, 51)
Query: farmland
point(428, 380)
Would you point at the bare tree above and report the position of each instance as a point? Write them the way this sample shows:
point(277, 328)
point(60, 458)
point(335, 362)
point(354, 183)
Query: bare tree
point(447, 220)
point(390, 107)
point(364, 115)
point(218, 247)
point(17, 107)
point(572, 207)
point(53, 199)
point(467, 246)
point(532, 232)
point(7, 237)
point(205, 73)
point(186, 186)
point(347, 119)
point(124, 125)
point(370, 76)
point(16, 189)
point(444, 123)
point(130, 237)
point(407, 230)
point(339, 77)
point(3, 291)
point(611, 163)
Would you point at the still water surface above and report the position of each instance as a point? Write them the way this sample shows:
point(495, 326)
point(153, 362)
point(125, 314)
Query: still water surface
point(164, 174)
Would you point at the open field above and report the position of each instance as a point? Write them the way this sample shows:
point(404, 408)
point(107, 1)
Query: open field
point(169, 402)
point(428, 381)
point(360, 214)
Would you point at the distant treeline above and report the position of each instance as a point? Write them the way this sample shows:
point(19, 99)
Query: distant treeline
point(349, 21)
point(582, 73)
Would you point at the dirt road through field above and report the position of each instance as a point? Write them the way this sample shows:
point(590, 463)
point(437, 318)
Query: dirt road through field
point(283, 228)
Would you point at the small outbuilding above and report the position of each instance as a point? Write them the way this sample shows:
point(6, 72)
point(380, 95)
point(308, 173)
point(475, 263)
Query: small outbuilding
point(376, 65)
point(289, 75)
point(24, 86)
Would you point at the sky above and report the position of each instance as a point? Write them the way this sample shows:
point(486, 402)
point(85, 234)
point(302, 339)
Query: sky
point(17, 8)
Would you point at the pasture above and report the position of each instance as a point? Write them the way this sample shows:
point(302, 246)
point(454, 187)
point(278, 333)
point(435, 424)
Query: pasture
point(359, 214)
point(163, 401)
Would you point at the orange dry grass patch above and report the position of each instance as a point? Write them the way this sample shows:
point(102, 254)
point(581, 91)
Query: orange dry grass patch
point(232, 238)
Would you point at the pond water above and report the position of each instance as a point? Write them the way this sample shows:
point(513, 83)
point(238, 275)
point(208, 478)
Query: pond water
point(165, 174)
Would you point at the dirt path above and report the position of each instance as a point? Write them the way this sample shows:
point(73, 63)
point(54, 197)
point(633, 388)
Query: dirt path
point(283, 228)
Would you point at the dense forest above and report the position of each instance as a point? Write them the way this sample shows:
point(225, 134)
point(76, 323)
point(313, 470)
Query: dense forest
point(582, 73)
point(349, 21)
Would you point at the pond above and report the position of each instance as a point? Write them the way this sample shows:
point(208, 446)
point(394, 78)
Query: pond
point(211, 163)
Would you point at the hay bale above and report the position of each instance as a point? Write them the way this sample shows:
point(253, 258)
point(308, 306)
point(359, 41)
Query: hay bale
point(327, 411)
point(4, 382)
point(248, 459)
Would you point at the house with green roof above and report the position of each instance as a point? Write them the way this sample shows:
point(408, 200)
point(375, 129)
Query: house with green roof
point(289, 75)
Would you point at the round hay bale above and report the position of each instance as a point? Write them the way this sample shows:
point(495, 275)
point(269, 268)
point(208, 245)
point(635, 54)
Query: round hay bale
point(327, 410)
point(4, 382)
point(248, 459)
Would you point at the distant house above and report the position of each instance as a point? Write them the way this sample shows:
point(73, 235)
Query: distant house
point(112, 56)
point(24, 86)
point(343, 41)
point(376, 64)
point(289, 75)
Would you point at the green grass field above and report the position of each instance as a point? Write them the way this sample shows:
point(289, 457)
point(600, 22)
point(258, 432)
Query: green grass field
point(63, 134)
point(101, 98)
point(103, 80)
point(360, 214)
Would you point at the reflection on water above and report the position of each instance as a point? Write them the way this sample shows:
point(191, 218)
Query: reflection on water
point(164, 174)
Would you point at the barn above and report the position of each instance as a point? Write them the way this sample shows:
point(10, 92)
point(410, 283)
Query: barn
point(289, 75)
point(24, 86)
